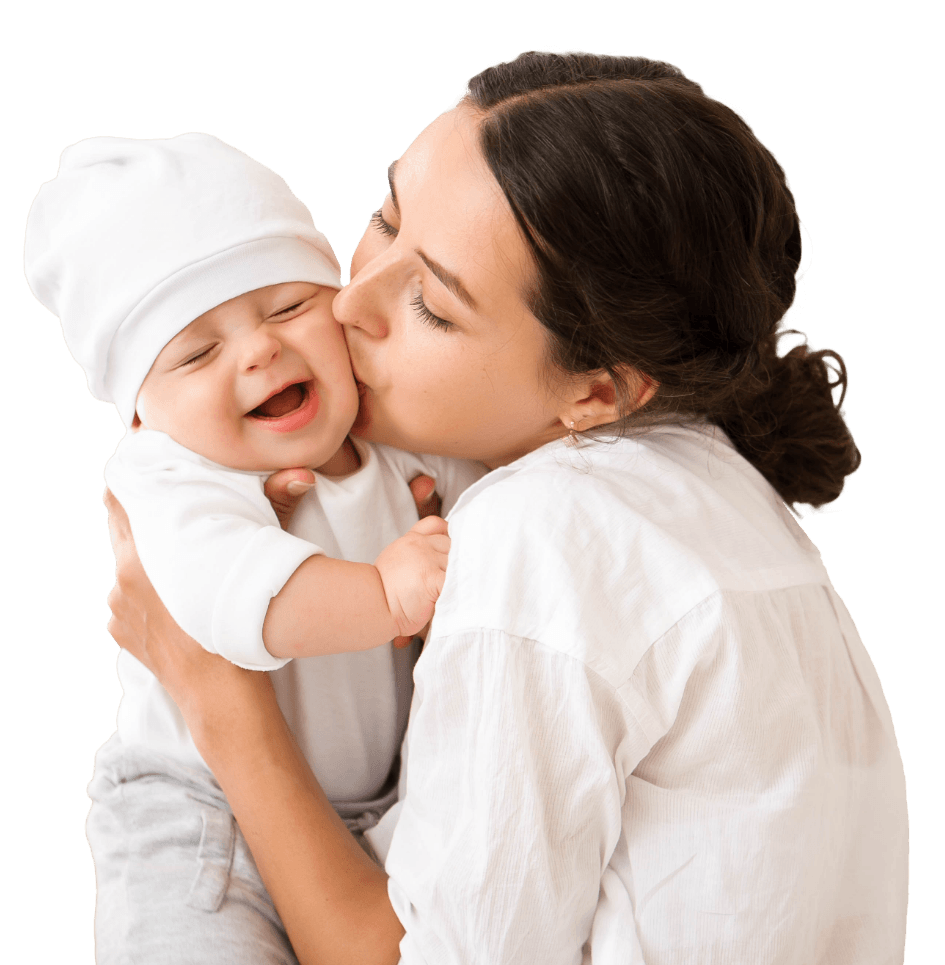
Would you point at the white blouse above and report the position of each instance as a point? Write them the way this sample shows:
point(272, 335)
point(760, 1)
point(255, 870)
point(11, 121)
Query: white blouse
point(644, 728)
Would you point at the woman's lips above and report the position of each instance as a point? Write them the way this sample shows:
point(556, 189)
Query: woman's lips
point(297, 418)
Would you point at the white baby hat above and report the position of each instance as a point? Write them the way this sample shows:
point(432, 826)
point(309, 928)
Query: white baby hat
point(134, 239)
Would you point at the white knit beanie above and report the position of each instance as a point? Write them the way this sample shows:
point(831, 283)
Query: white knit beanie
point(134, 239)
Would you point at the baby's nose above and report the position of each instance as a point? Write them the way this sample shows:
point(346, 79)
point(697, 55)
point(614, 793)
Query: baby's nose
point(261, 349)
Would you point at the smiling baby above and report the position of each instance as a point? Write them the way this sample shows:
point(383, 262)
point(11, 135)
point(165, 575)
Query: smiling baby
point(195, 291)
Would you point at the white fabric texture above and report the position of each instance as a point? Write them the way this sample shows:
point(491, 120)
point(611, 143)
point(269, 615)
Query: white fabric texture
point(644, 729)
point(212, 546)
point(134, 239)
point(209, 541)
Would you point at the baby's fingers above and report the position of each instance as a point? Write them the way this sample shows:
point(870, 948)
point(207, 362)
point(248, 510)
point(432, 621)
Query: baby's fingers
point(429, 526)
point(436, 578)
point(440, 546)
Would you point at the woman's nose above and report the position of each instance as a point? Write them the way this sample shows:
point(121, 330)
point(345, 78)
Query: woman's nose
point(260, 349)
point(365, 301)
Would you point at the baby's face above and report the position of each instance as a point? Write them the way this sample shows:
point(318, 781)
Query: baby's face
point(261, 382)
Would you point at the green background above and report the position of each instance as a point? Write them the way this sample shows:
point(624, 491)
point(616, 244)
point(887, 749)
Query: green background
point(327, 96)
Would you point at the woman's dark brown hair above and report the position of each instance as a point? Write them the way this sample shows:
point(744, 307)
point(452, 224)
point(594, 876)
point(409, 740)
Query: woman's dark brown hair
point(666, 239)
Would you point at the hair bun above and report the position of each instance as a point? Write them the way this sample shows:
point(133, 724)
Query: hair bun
point(791, 429)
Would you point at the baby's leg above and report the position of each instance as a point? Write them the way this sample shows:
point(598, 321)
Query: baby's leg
point(175, 880)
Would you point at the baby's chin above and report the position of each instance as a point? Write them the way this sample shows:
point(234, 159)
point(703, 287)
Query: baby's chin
point(345, 461)
point(254, 461)
point(254, 447)
point(334, 458)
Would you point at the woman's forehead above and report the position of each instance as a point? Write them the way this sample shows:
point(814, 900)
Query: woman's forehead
point(451, 203)
point(444, 166)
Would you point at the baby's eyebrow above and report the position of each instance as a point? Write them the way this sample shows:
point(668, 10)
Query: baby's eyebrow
point(288, 302)
point(183, 345)
point(182, 339)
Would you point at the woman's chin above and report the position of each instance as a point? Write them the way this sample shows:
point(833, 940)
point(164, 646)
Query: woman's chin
point(374, 426)
point(370, 429)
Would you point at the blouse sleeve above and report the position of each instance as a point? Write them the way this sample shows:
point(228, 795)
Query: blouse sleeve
point(516, 772)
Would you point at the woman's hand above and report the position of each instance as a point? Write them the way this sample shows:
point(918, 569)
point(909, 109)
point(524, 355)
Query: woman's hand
point(285, 488)
point(305, 854)
point(141, 624)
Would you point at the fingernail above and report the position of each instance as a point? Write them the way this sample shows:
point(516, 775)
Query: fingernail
point(297, 487)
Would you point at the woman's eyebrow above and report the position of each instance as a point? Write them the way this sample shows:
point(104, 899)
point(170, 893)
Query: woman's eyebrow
point(451, 281)
point(390, 181)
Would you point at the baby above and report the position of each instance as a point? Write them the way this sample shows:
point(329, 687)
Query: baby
point(196, 292)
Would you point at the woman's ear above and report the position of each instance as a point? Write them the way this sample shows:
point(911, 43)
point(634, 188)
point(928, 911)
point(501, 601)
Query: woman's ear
point(596, 402)
point(642, 389)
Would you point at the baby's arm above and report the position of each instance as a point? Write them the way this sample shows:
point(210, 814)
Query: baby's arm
point(333, 606)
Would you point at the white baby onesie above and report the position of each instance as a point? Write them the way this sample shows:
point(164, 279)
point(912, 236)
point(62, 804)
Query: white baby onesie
point(213, 548)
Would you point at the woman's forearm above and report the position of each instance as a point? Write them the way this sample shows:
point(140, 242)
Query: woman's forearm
point(332, 898)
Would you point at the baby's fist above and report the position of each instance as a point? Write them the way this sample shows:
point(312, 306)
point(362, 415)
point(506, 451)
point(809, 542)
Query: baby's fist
point(413, 569)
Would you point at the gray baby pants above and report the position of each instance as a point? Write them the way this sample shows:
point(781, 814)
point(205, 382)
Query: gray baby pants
point(175, 881)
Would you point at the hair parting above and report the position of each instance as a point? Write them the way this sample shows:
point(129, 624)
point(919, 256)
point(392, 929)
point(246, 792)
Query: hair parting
point(666, 242)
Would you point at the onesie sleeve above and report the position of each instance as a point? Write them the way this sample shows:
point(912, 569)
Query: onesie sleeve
point(209, 541)
point(512, 807)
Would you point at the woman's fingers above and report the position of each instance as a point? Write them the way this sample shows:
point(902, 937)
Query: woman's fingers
point(128, 568)
point(119, 529)
point(285, 488)
point(136, 607)
point(142, 625)
point(425, 496)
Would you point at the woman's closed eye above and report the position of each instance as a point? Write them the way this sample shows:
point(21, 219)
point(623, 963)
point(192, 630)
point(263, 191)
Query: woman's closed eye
point(380, 224)
point(420, 307)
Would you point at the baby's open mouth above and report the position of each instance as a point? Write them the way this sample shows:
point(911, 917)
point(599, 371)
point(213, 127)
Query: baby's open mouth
point(282, 403)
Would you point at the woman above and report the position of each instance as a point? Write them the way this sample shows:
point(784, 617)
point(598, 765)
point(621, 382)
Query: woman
point(644, 728)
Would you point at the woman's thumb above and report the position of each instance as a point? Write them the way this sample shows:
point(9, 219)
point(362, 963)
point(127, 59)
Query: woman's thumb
point(285, 488)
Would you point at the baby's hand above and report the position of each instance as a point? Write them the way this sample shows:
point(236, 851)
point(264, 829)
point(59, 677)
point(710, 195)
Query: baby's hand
point(412, 570)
